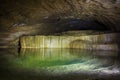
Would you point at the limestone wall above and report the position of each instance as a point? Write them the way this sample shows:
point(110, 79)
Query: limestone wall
point(97, 42)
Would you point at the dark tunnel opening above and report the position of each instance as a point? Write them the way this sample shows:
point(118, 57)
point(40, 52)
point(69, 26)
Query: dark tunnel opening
point(61, 25)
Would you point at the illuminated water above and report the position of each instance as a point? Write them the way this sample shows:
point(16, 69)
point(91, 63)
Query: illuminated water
point(58, 64)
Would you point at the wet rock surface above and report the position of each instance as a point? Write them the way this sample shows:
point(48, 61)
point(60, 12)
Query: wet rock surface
point(72, 40)
point(53, 16)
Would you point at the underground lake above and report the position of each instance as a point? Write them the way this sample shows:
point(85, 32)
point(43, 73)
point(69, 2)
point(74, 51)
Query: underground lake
point(59, 64)
point(59, 39)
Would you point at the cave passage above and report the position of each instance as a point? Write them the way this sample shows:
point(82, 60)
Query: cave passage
point(59, 39)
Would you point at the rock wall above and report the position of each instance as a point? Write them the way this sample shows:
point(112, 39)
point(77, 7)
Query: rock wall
point(91, 42)
point(55, 15)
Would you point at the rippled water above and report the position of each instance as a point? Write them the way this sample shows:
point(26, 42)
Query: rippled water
point(58, 64)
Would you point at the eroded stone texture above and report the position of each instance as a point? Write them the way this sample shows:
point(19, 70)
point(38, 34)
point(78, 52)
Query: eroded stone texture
point(17, 14)
point(29, 10)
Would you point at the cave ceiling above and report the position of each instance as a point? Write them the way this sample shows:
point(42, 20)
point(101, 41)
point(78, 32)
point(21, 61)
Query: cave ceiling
point(59, 13)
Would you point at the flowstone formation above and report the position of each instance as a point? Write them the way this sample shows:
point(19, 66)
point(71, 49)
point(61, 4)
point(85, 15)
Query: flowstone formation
point(71, 40)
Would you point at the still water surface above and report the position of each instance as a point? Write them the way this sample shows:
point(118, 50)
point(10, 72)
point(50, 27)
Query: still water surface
point(58, 64)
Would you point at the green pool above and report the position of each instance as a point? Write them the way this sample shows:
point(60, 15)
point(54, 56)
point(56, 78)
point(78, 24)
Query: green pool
point(57, 64)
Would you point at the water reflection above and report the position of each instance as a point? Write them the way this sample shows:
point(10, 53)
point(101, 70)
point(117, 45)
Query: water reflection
point(61, 62)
